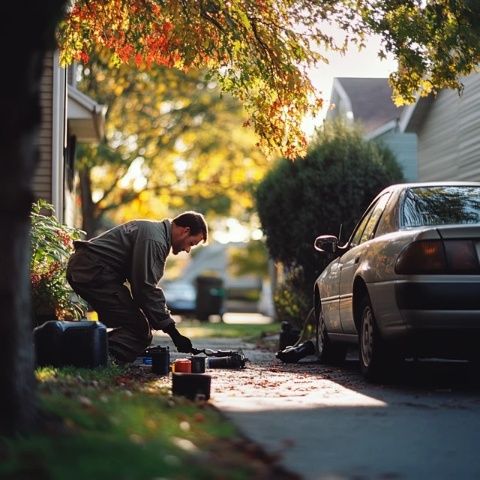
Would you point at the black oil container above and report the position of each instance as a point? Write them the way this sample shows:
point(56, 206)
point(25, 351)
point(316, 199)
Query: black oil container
point(195, 386)
point(160, 360)
point(288, 335)
point(79, 344)
point(210, 295)
point(198, 364)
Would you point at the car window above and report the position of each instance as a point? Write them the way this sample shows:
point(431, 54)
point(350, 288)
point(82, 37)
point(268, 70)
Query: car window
point(357, 233)
point(377, 211)
point(441, 205)
point(388, 221)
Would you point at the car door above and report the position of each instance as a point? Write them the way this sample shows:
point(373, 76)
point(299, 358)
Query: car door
point(350, 261)
point(329, 289)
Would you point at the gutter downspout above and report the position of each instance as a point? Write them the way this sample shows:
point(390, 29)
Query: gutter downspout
point(59, 119)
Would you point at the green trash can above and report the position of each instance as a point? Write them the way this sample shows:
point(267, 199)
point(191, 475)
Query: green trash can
point(210, 296)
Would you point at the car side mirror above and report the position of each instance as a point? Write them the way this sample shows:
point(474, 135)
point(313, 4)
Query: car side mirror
point(326, 244)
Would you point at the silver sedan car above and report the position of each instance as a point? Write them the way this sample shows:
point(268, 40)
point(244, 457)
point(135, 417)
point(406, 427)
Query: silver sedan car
point(407, 282)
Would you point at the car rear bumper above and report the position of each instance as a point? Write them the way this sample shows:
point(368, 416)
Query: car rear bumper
point(426, 296)
point(403, 308)
point(430, 317)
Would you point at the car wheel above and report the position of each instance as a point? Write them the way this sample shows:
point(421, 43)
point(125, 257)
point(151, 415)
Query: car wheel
point(376, 363)
point(328, 352)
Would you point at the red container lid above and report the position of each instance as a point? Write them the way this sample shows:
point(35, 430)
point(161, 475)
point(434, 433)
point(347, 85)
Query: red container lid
point(183, 365)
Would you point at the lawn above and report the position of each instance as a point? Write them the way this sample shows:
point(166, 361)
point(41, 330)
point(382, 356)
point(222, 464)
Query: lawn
point(123, 423)
point(245, 331)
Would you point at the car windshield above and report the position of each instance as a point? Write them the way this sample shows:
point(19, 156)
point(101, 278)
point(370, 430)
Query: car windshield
point(441, 205)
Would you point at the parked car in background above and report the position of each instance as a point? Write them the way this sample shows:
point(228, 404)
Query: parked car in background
point(181, 297)
point(407, 282)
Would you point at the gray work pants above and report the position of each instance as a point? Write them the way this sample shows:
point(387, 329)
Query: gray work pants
point(107, 293)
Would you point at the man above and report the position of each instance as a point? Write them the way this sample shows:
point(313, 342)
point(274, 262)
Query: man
point(134, 252)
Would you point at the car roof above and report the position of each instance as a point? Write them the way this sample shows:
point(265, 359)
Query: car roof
point(455, 183)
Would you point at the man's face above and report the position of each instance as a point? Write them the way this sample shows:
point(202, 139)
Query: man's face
point(183, 241)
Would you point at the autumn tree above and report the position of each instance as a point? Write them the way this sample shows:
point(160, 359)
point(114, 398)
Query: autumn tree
point(258, 50)
point(434, 41)
point(172, 141)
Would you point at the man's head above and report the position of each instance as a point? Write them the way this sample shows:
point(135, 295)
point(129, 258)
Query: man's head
point(188, 230)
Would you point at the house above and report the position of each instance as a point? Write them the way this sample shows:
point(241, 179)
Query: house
point(368, 102)
point(68, 117)
point(447, 127)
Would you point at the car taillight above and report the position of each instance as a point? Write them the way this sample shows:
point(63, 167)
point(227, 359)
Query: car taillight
point(437, 256)
point(461, 256)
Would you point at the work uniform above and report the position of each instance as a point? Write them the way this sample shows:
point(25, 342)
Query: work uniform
point(117, 273)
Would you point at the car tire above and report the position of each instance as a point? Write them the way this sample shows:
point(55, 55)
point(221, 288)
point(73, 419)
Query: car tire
point(328, 352)
point(376, 362)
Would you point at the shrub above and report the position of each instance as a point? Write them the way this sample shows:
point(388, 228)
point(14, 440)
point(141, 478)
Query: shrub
point(310, 196)
point(292, 302)
point(52, 244)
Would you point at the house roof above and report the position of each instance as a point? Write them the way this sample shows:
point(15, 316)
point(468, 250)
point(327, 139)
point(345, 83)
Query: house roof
point(413, 115)
point(368, 99)
point(86, 118)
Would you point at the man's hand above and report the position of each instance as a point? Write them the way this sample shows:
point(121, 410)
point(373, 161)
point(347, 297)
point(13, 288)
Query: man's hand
point(183, 344)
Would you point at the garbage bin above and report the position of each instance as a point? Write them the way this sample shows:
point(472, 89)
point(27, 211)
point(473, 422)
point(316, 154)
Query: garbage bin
point(210, 295)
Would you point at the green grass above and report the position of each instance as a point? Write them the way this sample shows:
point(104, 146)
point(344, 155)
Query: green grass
point(245, 331)
point(121, 423)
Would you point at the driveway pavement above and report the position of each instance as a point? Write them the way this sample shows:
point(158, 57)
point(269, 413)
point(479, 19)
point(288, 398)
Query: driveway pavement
point(327, 423)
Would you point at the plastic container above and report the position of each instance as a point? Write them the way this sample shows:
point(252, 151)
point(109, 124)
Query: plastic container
point(79, 344)
point(288, 335)
point(195, 386)
point(183, 365)
point(210, 296)
point(160, 361)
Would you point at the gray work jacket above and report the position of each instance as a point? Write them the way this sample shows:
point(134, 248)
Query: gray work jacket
point(137, 252)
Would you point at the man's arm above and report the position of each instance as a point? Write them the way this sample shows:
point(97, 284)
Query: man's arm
point(146, 270)
point(148, 265)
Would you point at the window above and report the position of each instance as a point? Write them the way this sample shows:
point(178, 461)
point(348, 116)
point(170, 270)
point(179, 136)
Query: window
point(366, 228)
point(441, 205)
point(372, 223)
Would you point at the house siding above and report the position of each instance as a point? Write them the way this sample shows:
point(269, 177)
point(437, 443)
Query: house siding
point(404, 147)
point(448, 139)
point(367, 101)
point(42, 180)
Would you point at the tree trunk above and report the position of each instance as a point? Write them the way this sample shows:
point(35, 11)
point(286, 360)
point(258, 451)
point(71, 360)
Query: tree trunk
point(23, 57)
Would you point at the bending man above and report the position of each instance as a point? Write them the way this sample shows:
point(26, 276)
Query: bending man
point(134, 252)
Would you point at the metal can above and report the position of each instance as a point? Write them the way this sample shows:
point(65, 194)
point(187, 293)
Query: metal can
point(198, 364)
point(161, 360)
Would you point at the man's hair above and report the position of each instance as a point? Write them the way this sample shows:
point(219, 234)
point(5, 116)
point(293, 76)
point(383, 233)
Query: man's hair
point(194, 220)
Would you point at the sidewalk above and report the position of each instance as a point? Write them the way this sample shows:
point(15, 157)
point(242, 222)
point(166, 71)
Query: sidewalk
point(327, 423)
point(260, 399)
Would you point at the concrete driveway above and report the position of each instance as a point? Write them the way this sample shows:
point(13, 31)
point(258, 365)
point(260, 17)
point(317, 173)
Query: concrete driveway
point(327, 423)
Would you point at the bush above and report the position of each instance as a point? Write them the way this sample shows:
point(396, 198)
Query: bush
point(292, 302)
point(52, 245)
point(311, 196)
